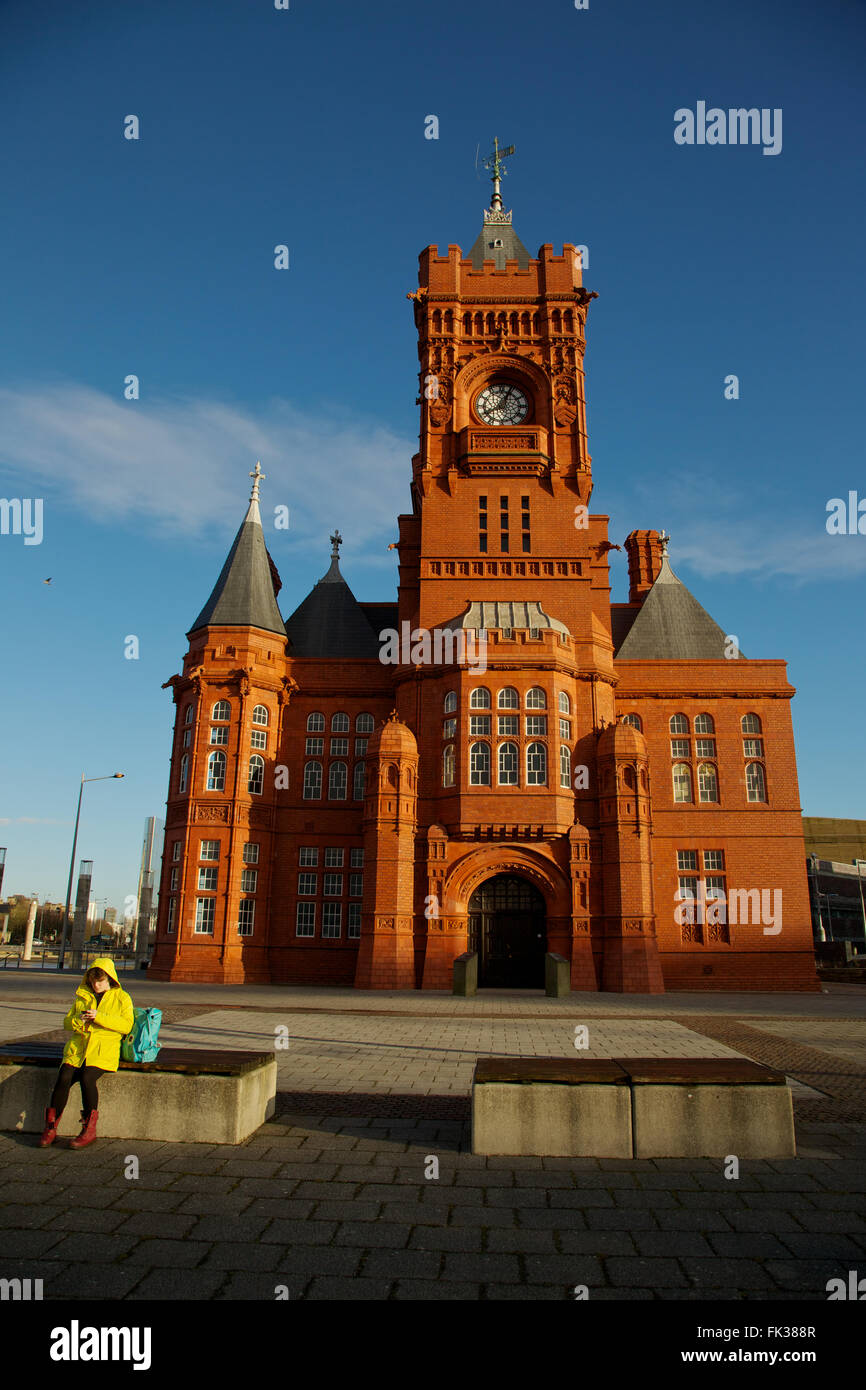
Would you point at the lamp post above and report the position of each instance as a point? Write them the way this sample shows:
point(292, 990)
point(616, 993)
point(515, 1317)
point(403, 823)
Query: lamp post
point(84, 779)
point(813, 859)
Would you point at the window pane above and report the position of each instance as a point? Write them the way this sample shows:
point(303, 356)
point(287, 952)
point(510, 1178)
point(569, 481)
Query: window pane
point(479, 765)
point(220, 734)
point(307, 884)
point(479, 724)
point(687, 859)
point(315, 723)
point(256, 780)
point(363, 724)
point(306, 919)
point(246, 916)
point(714, 859)
point(337, 778)
point(333, 885)
point(207, 880)
point(314, 747)
point(356, 858)
point(750, 724)
point(260, 715)
point(308, 855)
point(479, 699)
point(565, 729)
point(679, 724)
point(249, 878)
point(708, 782)
point(216, 772)
point(753, 748)
point(508, 764)
point(536, 765)
point(704, 724)
point(682, 782)
point(251, 854)
point(339, 747)
point(755, 784)
point(451, 702)
point(312, 781)
point(536, 724)
point(339, 723)
point(221, 710)
point(564, 703)
point(448, 766)
point(334, 858)
point(359, 782)
point(565, 767)
point(634, 720)
point(679, 748)
point(258, 739)
point(508, 698)
point(210, 849)
point(449, 728)
point(508, 725)
point(536, 698)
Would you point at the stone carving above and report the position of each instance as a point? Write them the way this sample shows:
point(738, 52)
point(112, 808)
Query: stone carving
point(213, 814)
point(564, 400)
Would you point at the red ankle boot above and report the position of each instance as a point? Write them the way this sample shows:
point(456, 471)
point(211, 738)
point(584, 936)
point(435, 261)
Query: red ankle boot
point(49, 1133)
point(88, 1132)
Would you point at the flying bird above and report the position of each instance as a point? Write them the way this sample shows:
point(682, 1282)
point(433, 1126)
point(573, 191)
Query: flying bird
point(46, 581)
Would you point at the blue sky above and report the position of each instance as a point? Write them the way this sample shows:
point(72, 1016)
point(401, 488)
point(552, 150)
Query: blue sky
point(306, 127)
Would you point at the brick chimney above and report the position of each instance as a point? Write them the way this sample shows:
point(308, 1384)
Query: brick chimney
point(644, 552)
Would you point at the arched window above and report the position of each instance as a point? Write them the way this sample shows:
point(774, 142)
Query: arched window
point(261, 716)
point(451, 702)
point(339, 723)
point(184, 773)
point(679, 725)
point(508, 698)
point(315, 723)
point(363, 724)
point(359, 782)
point(565, 766)
point(222, 711)
point(704, 724)
point(312, 781)
point(634, 720)
point(536, 698)
point(256, 782)
point(750, 724)
point(564, 703)
point(190, 710)
point(756, 783)
point(216, 772)
point(448, 766)
point(682, 782)
point(337, 779)
point(479, 765)
point(508, 764)
point(480, 698)
point(536, 765)
point(708, 782)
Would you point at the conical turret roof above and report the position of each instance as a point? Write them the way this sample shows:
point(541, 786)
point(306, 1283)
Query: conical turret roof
point(672, 625)
point(331, 622)
point(244, 596)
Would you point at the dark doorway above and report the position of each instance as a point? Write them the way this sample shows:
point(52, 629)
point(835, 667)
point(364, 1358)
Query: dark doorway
point(507, 927)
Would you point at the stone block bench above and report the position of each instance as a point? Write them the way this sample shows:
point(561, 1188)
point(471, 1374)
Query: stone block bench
point(551, 1106)
point(193, 1095)
point(631, 1108)
point(707, 1107)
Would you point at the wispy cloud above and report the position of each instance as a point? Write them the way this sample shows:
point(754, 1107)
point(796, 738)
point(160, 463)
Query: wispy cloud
point(180, 465)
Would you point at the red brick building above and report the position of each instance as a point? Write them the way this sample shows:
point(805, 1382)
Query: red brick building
point(614, 782)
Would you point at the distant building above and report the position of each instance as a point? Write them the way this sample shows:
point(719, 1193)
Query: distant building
point(837, 882)
point(151, 862)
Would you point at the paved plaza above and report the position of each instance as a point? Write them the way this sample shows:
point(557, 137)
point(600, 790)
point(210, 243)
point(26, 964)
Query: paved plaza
point(331, 1197)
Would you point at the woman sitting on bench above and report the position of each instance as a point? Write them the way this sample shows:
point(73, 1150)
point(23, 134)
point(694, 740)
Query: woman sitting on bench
point(101, 1015)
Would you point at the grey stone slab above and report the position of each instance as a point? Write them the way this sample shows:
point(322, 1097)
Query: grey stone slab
point(299, 1232)
point(415, 1213)
point(168, 1225)
point(225, 1226)
point(525, 1293)
point(336, 1191)
point(693, 1219)
point(300, 1171)
point(462, 1238)
point(259, 1286)
point(388, 1235)
point(520, 1241)
point(92, 1219)
point(769, 1220)
point(484, 1268)
point(483, 1216)
point(108, 1249)
point(347, 1211)
point(621, 1220)
point(556, 1219)
point(745, 1245)
point(671, 1243)
point(600, 1243)
point(137, 1199)
point(29, 1216)
point(288, 1209)
point(97, 1282)
point(565, 1269)
point(201, 1182)
point(507, 1197)
point(583, 1200)
point(311, 1260)
point(820, 1245)
point(435, 1291)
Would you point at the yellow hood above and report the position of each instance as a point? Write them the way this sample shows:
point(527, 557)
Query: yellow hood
point(102, 963)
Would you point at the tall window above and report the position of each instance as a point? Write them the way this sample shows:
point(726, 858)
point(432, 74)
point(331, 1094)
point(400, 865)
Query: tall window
point(312, 781)
point(305, 919)
point(172, 914)
point(221, 711)
point(750, 724)
point(479, 765)
point(704, 724)
point(315, 723)
point(479, 724)
point(261, 716)
point(565, 767)
point(480, 698)
point(708, 782)
point(756, 784)
point(448, 766)
point(339, 723)
point(682, 782)
point(508, 698)
point(508, 764)
point(216, 772)
point(188, 714)
point(246, 916)
point(536, 765)
point(359, 781)
point(503, 525)
point(204, 915)
point(634, 720)
point(451, 702)
point(524, 525)
point(536, 698)
point(256, 782)
point(482, 524)
point(564, 703)
point(337, 782)
point(184, 773)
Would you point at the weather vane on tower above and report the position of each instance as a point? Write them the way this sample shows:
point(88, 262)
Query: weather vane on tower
point(493, 162)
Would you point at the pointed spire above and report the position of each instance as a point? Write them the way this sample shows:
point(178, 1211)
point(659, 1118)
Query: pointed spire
point(497, 241)
point(330, 622)
point(244, 595)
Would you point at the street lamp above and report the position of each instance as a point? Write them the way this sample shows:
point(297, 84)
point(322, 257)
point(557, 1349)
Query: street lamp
point(813, 858)
point(84, 779)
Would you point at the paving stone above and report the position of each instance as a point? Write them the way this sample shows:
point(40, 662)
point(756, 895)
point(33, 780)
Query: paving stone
point(482, 1216)
point(582, 1200)
point(289, 1208)
point(646, 1272)
point(179, 1285)
point(93, 1219)
point(694, 1219)
point(387, 1234)
point(524, 1293)
point(505, 1197)
point(299, 1232)
point(770, 1221)
point(558, 1219)
point(337, 1191)
point(137, 1199)
point(819, 1245)
point(201, 1182)
point(755, 1245)
point(241, 1255)
point(340, 1290)
point(346, 1211)
point(403, 1264)
point(621, 1220)
point(808, 1276)
point(415, 1213)
point(565, 1269)
point(259, 1286)
point(360, 1173)
point(169, 1225)
point(332, 1259)
point(521, 1241)
point(223, 1226)
point(171, 1253)
point(435, 1291)
point(31, 1216)
point(109, 1249)
point(299, 1172)
point(483, 1268)
point(100, 1283)
point(653, 1201)
point(464, 1238)
point(601, 1243)
point(722, 1273)
point(672, 1243)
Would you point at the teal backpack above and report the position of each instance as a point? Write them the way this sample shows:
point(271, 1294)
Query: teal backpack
point(140, 1045)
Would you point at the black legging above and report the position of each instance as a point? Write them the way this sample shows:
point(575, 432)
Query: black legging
point(86, 1076)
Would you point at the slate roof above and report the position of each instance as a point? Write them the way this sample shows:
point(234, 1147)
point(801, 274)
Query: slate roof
point(672, 625)
point(244, 596)
point(331, 622)
point(512, 248)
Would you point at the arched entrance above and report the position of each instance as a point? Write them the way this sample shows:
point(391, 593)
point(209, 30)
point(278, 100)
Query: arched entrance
point(507, 927)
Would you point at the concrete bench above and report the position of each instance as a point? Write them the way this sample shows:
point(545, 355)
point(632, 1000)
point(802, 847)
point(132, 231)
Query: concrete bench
point(628, 1107)
point(551, 1106)
point(707, 1107)
point(188, 1095)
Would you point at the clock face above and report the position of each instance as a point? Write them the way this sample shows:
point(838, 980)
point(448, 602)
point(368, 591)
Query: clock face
point(502, 404)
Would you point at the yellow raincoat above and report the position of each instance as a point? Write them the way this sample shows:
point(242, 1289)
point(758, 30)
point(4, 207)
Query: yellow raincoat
point(97, 1044)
